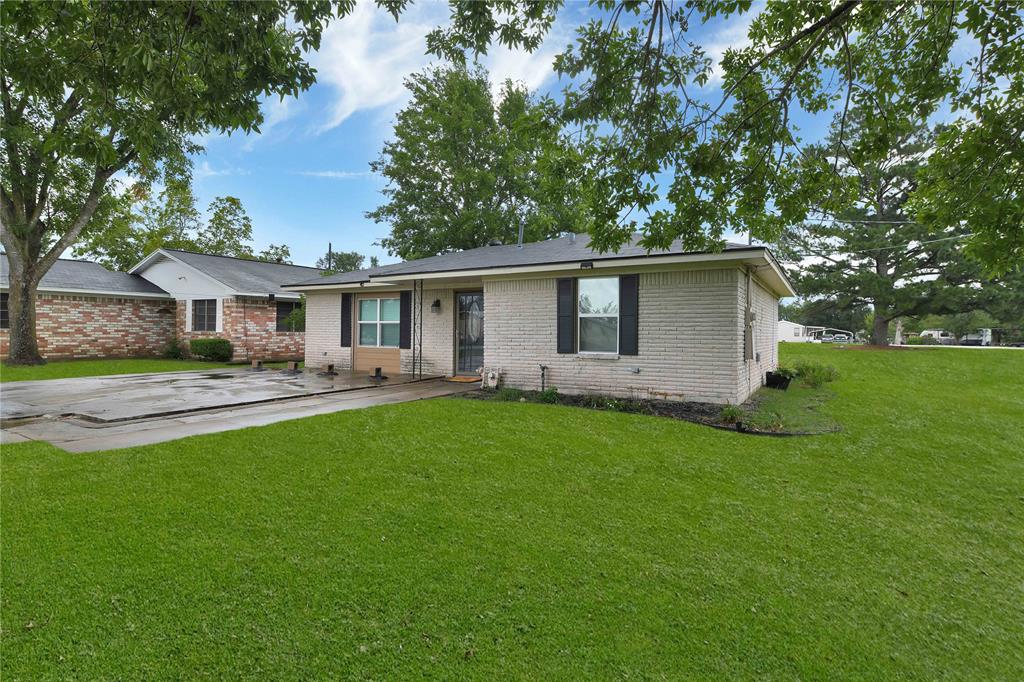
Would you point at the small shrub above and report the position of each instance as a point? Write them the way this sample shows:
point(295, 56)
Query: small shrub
point(772, 422)
point(213, 350)
point(788, 372)
point(510, 395)
point(548, 395)
point(594, 402)
point(816, 375)
point(730, 414)
point(173, 349)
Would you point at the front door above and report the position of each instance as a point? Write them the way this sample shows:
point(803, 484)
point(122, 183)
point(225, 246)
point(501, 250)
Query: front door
point(469, 332)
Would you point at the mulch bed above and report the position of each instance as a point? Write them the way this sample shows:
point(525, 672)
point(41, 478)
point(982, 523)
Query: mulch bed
point(706, 414)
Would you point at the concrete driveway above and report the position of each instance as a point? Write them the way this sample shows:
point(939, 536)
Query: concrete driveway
point(99, 413)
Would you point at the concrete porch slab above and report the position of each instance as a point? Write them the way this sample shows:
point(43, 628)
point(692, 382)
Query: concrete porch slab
point(135, 396)
point(82, 435)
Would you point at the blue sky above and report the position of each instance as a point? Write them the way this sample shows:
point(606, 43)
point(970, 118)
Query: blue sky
point(305, 181)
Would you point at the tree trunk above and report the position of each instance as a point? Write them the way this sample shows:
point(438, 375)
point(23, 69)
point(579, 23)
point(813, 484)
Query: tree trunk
point(880, 328)
point(21, 307)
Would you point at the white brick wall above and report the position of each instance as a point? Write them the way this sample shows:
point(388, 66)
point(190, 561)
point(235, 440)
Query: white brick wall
point(438, 334)
point(689, 345)
point(323, 331)
point(766, 308)
point(690, 335)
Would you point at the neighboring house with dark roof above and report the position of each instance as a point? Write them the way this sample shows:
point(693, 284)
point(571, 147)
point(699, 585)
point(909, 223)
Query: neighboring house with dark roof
point(84, 310)
point(661, 324)
point(233, 298)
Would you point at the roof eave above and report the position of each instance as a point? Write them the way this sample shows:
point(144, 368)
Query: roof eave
point(577, 264)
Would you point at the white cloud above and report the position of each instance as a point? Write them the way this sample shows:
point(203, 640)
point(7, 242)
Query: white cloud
point(366, 56)
point(275, 112)
point(335, 175)
point(732, 35)
point(205, 170)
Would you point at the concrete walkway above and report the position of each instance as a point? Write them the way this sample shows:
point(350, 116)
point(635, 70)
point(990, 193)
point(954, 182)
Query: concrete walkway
point(87, 433)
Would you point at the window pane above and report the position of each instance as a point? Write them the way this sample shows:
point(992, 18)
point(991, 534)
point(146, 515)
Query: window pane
point(599, 295)
point(389, 309)
point(389, 334)
point(599, 334)
point(204, 315)
point(367, 334)
point(368, 309)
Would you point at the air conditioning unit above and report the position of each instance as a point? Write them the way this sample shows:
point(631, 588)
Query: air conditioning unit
point(492, 377)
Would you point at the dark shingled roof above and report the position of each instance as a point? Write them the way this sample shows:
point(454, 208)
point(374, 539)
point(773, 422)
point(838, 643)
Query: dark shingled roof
point(246, 276)
point(550, 252)
point(83, 275)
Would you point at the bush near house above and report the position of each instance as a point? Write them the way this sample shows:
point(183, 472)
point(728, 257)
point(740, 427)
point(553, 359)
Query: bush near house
point(214, 350)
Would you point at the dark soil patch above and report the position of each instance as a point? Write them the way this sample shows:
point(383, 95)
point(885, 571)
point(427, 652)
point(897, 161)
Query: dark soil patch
point(706, 414)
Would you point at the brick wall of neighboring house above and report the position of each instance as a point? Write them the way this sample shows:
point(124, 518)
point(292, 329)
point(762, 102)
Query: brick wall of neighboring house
point(250, 324)
point(71, 327)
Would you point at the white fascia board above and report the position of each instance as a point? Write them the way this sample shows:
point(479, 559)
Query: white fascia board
point(569, 266)
point(95, 292)
point(349, 286)
point(265, 294)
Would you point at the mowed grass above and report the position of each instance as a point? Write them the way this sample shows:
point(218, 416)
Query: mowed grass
point(67, 369)
point(476, 539)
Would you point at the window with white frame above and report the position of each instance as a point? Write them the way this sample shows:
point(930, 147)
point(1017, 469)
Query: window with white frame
point(378, 322)
point(598, 314)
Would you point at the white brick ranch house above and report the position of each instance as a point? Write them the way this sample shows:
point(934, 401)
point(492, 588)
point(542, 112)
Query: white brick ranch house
point(666, 324)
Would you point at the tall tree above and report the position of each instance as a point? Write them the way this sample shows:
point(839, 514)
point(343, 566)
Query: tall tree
point(340, 261)
point(228, 231)
point(90, 89)
point(876, 254)
point(171, 220)
point(93, 89)
point(736, 161)
point(275, 254)
point(464, 169)
point(142, 222)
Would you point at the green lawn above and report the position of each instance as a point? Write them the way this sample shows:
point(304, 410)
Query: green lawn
point(66, 369)
point(461, 538)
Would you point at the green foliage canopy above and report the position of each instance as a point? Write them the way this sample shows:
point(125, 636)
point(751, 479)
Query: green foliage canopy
point(464, 168)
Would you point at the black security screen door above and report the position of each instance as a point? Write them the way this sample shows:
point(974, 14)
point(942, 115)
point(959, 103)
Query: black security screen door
point(469, 333)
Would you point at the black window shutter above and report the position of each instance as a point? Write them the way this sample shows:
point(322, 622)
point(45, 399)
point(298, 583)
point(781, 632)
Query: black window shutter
point(405, 319)
point(346, 320)
point(566, 294)
point(629, 305)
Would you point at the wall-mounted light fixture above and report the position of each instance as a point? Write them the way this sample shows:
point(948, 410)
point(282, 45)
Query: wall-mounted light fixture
point(435, 307)
point(587, 265)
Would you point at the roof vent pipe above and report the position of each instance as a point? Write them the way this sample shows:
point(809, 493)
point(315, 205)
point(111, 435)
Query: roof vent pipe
point(522, 228)
point(572, 237)
point(494, 242)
